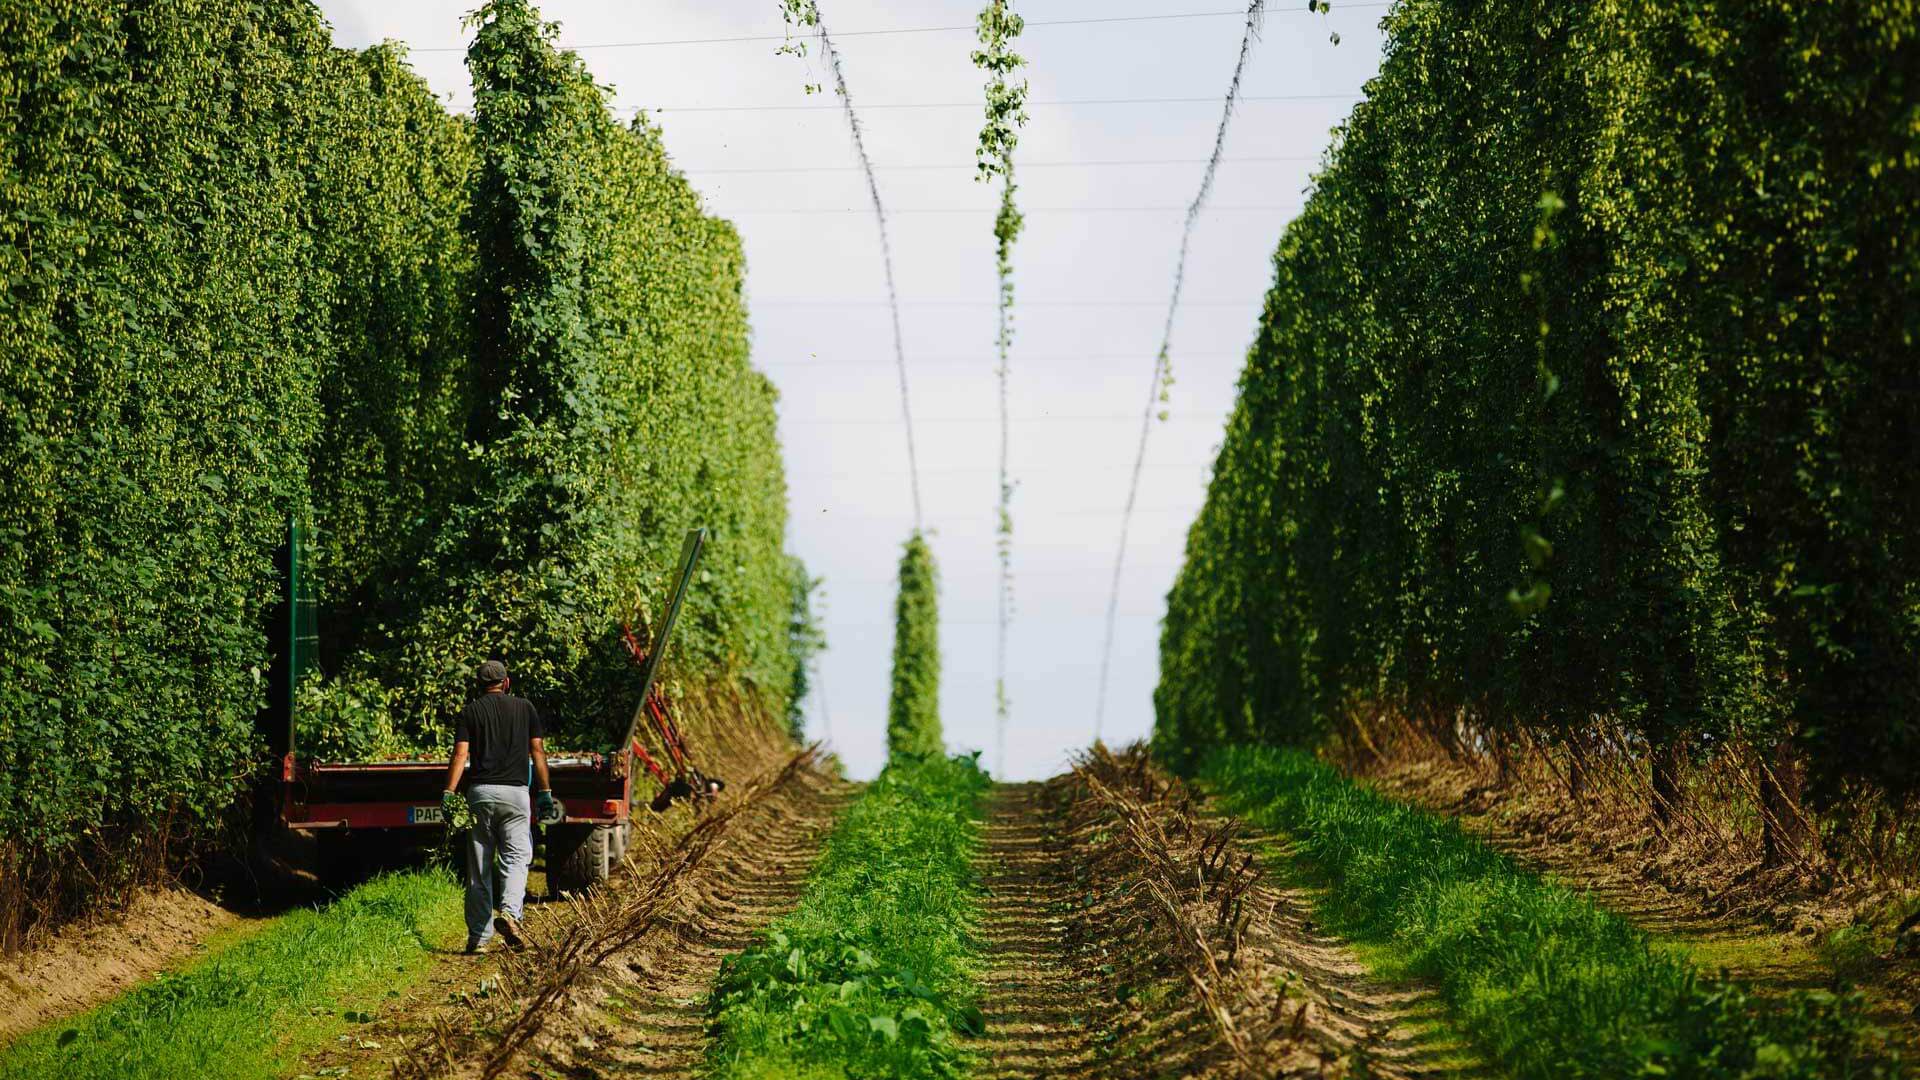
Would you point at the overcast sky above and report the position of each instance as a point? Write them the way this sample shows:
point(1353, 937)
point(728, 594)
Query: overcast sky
point(1104, 185)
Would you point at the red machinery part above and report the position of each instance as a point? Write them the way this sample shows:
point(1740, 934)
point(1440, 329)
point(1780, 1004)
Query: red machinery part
point(399, 815)
point(647, 760)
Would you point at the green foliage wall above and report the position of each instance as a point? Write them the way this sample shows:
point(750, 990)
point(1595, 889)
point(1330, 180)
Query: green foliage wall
point(168, 319)
point(499, 363)
point(913, 708)
point(1708, 216)
point(388, 203)
point(612, 406)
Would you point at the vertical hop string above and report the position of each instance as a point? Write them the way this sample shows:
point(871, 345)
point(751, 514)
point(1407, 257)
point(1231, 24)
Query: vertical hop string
point(1159, 389)
point(998, 27)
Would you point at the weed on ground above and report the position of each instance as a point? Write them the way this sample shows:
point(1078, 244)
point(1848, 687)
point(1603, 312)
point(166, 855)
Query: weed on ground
point(873, 973)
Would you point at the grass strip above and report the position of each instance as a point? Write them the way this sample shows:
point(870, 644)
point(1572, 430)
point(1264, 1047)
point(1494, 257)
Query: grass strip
point(873, 973)
point(250, 1012)
point(1548, 983)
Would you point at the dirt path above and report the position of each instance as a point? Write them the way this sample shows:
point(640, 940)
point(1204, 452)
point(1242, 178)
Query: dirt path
point(1071, 988)
point(639, 1012)
point(1038, 1006)
point(1398, 1026)
point(646, 1017)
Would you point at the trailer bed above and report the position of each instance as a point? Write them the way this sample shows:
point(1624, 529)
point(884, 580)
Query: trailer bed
point(406, 794)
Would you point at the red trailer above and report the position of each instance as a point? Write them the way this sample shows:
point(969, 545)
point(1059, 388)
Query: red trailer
point(361, 813)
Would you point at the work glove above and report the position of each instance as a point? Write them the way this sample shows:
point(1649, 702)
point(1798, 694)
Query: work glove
point(450, 806)
point(547, 809)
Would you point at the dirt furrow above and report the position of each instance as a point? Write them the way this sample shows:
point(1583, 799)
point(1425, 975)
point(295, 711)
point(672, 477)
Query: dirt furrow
point(1038, 1006)
point(638, 1011)
point(1086, 973)
point(645, 1013)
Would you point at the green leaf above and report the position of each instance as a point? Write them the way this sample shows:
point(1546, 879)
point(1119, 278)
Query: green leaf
point(1530, 602)
point(915, 1028)
point(1551, 498)
point(846, 1024)
point(1539, 549)
point(970, 1021)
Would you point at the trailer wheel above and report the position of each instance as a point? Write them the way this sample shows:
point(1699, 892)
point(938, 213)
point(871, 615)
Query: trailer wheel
point(578, 856)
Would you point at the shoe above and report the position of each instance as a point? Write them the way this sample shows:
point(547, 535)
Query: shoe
point(478, 948)
point(509, 932)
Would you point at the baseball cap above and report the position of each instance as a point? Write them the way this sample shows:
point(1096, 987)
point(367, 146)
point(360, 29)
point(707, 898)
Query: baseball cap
point(491, 672)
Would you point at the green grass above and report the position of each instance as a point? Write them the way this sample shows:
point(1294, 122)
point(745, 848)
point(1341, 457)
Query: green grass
point(873, 973)
point(1546, 982)
point(252, 1010)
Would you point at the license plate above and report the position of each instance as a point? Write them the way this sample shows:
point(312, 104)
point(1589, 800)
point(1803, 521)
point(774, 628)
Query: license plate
point(424, 815)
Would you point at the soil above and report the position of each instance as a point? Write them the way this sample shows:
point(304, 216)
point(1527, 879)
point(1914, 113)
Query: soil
point(1081, 976)
point(1040, 1006)
point(1398, 1025)
point(84, 964)
point(645, 1014)
point(639, 1013)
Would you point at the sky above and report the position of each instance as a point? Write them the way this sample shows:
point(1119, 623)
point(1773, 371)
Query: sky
point(1104, 180)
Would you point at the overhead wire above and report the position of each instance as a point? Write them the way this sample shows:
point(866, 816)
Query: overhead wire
point(1157, 388)
point(959, 358)
point(886, 248)
point(1164, 17)
point(1040, 419)
point(812, 303)
point(932, 166)
point(1253, 15)
point(778, 211)
point(1057, 103)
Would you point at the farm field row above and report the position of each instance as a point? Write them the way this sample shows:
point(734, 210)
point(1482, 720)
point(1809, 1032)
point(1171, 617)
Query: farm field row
point(1727, 916)
point(1110, 922)
point(1547, 981)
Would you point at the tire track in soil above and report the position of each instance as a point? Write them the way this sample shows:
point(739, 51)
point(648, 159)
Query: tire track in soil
point(646, 1014)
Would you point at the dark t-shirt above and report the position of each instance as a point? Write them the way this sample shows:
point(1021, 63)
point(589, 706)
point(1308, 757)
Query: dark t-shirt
point(496, 729)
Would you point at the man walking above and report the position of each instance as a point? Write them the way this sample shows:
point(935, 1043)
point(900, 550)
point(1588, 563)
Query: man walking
point(498, 733)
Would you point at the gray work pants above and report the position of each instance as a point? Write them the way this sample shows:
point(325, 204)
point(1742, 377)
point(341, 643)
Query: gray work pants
point(502, 829)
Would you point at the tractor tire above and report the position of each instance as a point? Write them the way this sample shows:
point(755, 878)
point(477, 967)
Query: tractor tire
point(578, 857)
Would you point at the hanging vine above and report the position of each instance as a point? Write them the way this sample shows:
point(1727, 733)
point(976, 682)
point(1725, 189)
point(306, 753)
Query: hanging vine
point(801, 15)
point(1159, 390)
point(1532, 599)
point(998, 27)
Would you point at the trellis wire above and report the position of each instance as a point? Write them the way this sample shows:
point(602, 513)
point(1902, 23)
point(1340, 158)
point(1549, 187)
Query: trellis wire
point(1162, 370)
point(811, 12)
